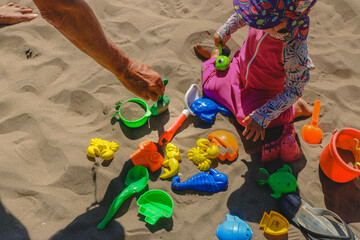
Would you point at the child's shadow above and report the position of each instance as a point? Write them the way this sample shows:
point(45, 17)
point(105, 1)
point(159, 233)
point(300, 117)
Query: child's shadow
point(251, 200)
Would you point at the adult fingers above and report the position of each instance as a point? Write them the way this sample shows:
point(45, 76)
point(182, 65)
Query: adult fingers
point(160, 87)
point(153, 96)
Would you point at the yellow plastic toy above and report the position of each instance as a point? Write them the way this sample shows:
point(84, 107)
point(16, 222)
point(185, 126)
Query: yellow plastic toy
point(274, 223)
point(352, 145)
point(172, 161)
point(102, 148)
point(202, 154)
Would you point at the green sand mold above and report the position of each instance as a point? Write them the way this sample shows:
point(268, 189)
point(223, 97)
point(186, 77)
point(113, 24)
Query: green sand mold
point(155, 204)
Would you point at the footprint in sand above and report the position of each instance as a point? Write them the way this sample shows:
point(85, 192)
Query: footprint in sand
point(79, 102)
point(27, 146)
point(123, 32)
point(173, 8)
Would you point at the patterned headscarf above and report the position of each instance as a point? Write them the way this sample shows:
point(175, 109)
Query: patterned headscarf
point(263, 14)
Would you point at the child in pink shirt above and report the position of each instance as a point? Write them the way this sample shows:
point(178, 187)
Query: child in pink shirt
point(266, 78)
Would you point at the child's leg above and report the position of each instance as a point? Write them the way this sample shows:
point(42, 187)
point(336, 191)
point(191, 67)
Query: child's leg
point(226, 87)
point(206, 53)
point(222, 86)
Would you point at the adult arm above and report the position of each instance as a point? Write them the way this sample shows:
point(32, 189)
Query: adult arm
point(78, 23)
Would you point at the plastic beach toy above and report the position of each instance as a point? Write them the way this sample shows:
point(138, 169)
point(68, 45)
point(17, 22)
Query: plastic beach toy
point(311, 133)
point(172, 161)
point(103, 148)
point(155, 204)
point(213, 181)
point(136, 180)
point(227, 144)
point(202, 154)
point(162, 103)
point(337, 167)
point(281, 181)
point(274, 223)
point(147, 155)
point(206, 109)
point(222, 62)
point(139, 121)
point(191, 95)
point(157, 108)
point(233, 228)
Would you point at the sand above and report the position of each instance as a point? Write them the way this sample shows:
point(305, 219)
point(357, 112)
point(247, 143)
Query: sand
point(54, 99)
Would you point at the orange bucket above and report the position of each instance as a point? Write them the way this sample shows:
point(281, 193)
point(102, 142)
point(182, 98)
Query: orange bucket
point(332, 164)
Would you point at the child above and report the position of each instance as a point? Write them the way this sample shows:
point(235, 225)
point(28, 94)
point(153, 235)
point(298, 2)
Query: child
point(266, 77)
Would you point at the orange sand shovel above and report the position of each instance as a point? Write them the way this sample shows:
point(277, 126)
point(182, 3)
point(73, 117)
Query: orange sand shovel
point(311, 133)
point(191, 95)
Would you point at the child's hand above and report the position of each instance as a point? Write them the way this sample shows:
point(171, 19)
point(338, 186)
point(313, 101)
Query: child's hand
point(253, 128)
point(218, 39)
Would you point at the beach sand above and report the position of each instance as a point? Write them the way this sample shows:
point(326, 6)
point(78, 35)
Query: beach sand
point(54, 99)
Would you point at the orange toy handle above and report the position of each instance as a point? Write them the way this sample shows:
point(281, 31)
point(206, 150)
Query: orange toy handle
point(315, 115)
point(168, 134)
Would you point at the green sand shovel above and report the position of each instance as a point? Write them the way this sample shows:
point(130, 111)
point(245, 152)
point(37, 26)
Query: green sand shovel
point(136, 180)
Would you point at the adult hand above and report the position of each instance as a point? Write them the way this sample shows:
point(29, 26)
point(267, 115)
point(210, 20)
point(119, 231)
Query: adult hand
point(143, 81)
point(218, 39)
point(252, 128)
point(12, 13)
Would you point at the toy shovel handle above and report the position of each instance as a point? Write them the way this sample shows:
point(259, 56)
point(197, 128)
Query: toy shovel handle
point(115, 205)
point(168, 134)
point(315, 115)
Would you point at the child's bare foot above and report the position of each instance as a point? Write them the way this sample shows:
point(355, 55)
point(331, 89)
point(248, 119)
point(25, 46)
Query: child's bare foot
point(12, 13)
point(205, 53)
point(302, 109)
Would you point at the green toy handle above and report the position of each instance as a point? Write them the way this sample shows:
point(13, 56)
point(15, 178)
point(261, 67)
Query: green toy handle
point(165, 81)
point(115, 205)
point(220, 48)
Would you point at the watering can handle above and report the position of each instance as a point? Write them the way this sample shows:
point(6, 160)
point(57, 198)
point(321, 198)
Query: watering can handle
point(315, 115)
point(166, 137)
point(220, 48)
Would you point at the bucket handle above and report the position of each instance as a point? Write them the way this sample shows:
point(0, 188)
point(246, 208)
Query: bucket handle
point(118, 104)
